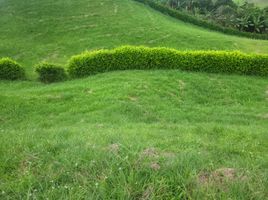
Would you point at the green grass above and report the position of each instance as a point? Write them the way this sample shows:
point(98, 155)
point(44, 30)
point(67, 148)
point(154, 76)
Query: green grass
point(100, 137)
point(48, 30)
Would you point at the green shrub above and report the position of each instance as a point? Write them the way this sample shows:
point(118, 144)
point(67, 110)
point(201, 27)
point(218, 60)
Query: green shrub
point(49, 73)
point(199, 22)
point(126, 58)
point(11, 70)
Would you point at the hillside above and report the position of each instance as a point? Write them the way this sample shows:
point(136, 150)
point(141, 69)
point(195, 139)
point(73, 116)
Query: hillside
point(135, 134)
point(48, 30)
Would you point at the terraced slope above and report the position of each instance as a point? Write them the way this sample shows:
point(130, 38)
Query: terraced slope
point(53, 30)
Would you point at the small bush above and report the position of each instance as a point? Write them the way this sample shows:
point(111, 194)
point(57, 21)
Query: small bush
point(49, 73)
point(125, 58)
point(10, 70)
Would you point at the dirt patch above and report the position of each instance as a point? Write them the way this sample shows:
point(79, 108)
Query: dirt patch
point(224, 174)
point(114, 148)
point(149, 153)
point(155, 166)
point(203, 178)
point(219, 177)
point(27, 163)
point(148, 158)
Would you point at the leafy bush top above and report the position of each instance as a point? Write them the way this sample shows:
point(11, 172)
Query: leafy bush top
point(49, 73)
point(127, 57)
point(11, 70)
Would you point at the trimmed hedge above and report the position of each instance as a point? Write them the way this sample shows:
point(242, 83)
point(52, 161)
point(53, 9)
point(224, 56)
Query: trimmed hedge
point(11, 70)
point(127, 57)
point(50, 73)
point(199, 22)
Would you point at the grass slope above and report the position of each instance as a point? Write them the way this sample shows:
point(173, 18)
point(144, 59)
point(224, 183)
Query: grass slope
point(49, 30)
point(135, 135)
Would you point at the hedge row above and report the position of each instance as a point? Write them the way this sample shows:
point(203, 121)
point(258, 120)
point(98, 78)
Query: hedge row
point(143, 58)
point(48, 73)
point(126, 58)
point(199, 22)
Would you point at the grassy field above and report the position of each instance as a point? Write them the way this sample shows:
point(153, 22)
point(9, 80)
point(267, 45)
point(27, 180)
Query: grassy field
point(135, 135)
point(163, 134)
point(48, 30)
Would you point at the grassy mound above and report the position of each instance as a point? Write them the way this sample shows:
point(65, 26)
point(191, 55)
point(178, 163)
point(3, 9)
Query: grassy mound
point(135, 134)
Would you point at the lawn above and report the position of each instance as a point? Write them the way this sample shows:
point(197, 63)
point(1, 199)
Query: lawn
point(135, 135)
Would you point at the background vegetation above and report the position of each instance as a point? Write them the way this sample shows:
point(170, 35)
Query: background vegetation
point(53, 31)
point(245, 17)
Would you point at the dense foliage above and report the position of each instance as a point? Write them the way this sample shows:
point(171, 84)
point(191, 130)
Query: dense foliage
point(247, 17)
point(10, 70)
point(49, 73)
point(144, 58)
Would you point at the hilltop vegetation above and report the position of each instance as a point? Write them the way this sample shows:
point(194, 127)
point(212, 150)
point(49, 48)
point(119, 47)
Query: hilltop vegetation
point(48, 30)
